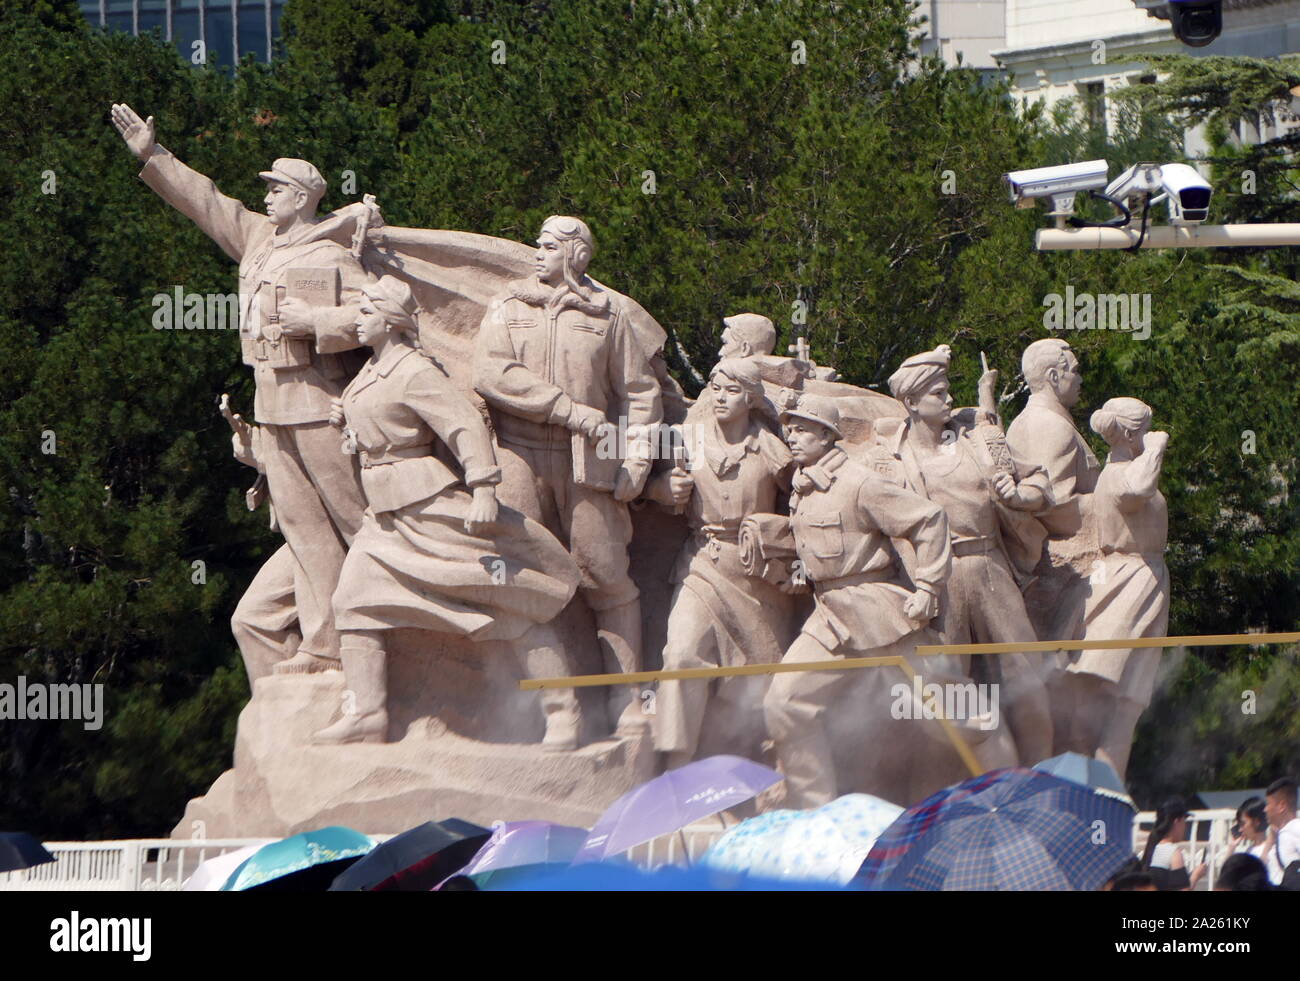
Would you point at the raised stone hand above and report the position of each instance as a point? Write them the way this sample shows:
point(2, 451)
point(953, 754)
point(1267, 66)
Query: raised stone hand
point(336, 413)
point(137, 133)
point(1155, 442)
point(988, 392)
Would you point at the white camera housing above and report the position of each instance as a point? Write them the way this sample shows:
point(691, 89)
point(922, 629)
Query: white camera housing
point(1060, 184)
point(1186, 194)
point(1138, 182)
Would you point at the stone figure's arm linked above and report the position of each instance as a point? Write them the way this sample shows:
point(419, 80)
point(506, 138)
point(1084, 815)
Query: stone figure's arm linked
point(632, 378)
point(223, 219)
point(507, 383)
point(458, 424)
point(671, 488)
point(901, 514)
point(1054, 448)
point(1031, 492)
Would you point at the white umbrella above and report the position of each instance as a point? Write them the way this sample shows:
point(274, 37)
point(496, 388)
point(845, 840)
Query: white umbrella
point(826, 845)
point(212, 874)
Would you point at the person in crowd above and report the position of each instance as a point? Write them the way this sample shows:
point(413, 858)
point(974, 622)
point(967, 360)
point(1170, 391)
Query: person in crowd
point(1251, 834)
point(1163, 857)
point(1242, 873)
point(1280, 806)
point(1134, 882)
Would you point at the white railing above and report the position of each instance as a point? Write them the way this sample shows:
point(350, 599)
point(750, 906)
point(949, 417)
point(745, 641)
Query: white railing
point(683, 847)
point(131, 865)
point(166, 863)
point(1208, 835)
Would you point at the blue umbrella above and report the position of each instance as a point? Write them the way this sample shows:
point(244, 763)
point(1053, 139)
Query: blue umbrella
point(673, 800)
point(619, 877)
point(1006, 829)
point(303, 861)
point(1091, 772)
point(828, 843)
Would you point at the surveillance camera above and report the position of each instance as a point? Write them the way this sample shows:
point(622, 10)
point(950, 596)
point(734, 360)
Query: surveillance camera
point(1186, 193)
point(1060, 184)
point(1196, 22)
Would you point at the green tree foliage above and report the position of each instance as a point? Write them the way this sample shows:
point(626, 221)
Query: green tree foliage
point(802, 158)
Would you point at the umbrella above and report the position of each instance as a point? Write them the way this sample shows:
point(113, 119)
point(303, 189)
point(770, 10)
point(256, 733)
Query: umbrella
point(827, 844)
point(1006, 829)
point(417, 859)
point(212, 874)
point(19, 850)
point(621, 877)
point(673, 800)
point(523, 848)
point(1091, 772)
point(306, 862)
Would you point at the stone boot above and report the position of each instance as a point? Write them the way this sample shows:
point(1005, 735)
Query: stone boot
point(366, 674)
point(619, 630)
point(563, 723)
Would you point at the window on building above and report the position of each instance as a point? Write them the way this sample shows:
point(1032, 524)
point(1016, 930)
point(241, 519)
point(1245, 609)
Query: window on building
point(1094, 104)
point(231, 28)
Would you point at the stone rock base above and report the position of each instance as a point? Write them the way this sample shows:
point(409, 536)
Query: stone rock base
point(281, 784)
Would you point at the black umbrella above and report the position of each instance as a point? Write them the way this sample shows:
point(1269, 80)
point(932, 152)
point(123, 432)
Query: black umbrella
point(416, 860)
point(19, 850)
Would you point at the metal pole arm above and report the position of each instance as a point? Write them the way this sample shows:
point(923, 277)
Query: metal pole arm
point(1168, 237)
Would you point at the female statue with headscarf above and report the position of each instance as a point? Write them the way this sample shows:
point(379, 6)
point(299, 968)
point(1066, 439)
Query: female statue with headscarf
point(435, 550)
point(1128, 594)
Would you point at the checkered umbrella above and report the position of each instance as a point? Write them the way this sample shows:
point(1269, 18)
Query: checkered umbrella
point(1012, 829)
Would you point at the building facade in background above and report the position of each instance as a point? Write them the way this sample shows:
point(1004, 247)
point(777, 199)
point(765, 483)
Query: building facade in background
point(227, 29)
point(1087, 49)
point(965, 32)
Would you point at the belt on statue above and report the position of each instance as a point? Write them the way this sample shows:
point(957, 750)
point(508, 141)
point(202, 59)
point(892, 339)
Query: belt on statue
point(973, 546)
point(880, 575)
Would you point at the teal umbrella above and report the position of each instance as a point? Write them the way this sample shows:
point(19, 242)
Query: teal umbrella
point(302, 862)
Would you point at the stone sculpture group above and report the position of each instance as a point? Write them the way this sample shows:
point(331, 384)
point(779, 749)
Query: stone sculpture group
point(511, 485)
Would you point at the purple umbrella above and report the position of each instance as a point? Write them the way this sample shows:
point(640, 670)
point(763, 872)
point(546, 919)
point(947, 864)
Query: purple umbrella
point(524, 845)
point(674, 800)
